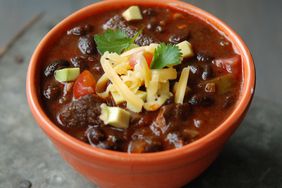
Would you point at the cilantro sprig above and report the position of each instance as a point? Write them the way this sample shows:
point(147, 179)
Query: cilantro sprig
point(117, 41)
point(166, 55)
point(114, 41)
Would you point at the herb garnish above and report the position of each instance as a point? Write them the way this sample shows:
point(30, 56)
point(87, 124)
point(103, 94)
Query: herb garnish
point(166, 55)
point(114, 41)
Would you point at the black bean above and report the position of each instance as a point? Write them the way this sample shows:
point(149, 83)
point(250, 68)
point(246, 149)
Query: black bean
point(148, 12)
point(179, 35)
point(172, 112)
point(153, 146)
point(154, 25)
point(86, 45)
point(169, 101)
point(159, 29)
point(195, 100)
point(150, 26)
point(95, 135)
point(203, 58)
point(117, 22)
point(202, 100)
point(52, 91)
point(196, 69)
point(207, 101)
point(79, 30)
point(182, 111)
point(229, 101)
point(174, 139)
point(174, 39)
point(112, 143)
point(88, 28)
point(207, 72)
point(79, 62)
point(25, 184)
point(197, 123)
point(58, 64)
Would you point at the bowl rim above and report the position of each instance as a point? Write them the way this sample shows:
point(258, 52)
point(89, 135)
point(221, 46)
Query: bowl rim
point(60, 136)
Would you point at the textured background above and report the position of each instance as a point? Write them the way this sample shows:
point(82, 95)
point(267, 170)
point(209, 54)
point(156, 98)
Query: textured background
point(252, 157)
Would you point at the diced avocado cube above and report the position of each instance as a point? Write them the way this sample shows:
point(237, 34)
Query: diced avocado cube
point(115, 116)
point(67, 74)
point(186, 49)
point(132, 13)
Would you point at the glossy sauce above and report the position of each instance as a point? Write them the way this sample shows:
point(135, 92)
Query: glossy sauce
point(201, 112)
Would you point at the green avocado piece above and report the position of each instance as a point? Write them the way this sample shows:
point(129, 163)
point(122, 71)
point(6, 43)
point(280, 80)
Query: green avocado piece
point(67, 74)
point(115, 116)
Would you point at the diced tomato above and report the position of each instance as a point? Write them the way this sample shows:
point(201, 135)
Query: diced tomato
point(85, 84)
point(230, 64)
point(132, 61)
point(148, 56)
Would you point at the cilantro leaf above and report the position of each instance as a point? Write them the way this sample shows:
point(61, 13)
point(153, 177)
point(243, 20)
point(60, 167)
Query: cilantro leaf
point(114, 41)
point(166, 55)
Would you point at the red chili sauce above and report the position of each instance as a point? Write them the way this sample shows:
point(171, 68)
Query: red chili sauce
point(212, 90)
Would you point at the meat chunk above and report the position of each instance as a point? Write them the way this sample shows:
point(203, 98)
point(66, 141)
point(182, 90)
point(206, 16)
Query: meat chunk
point(117, 22)
point(82, 112)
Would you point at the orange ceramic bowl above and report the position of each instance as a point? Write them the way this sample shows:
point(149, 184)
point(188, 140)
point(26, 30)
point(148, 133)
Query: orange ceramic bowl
point(172, 168)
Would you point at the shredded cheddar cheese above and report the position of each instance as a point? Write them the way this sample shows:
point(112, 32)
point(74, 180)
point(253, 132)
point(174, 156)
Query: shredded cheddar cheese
point(138, 85)
point(181, 85)
point(135, 102)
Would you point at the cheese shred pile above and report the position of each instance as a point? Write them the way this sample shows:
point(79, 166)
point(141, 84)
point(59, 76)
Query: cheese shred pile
point(138, 85)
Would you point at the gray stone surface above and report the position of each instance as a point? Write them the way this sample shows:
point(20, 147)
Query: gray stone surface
point(253, 156)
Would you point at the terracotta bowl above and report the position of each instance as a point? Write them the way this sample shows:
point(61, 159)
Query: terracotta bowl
point(172, 168)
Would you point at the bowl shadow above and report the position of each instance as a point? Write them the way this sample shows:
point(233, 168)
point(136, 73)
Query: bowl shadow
point(253, 156)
